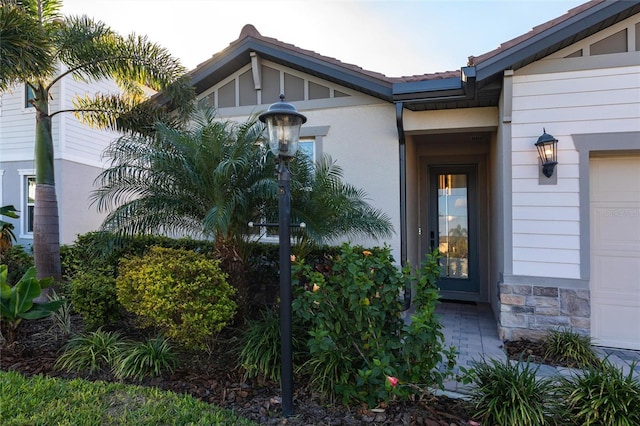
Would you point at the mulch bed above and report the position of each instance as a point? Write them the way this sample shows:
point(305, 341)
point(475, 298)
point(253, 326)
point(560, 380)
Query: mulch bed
point(534, 351)
point(213, 379)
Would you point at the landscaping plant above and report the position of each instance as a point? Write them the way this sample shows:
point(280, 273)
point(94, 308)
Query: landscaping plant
point(17, 302)
point(61, 318)
point(91, 352)
point(141, 359)
point(18, 262)
point(183, 293)
point(359, 344)
point(600, 396)
point(94, 297)
point(508, 393)
point(260, 347)
point(571, 348)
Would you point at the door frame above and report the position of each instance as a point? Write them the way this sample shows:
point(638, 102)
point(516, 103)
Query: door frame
point(482, 214)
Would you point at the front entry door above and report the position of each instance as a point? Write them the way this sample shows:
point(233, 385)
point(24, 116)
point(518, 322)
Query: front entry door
point(453, 229)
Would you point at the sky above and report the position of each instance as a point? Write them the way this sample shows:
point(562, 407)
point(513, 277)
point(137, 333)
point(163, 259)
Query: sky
point(392, 37)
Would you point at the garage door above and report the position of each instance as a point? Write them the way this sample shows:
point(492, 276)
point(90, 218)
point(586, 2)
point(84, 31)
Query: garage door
point(615, 251)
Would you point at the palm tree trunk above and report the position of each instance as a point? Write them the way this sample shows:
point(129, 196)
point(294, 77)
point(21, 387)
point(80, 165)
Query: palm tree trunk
point(46, 233)
point(46, 225)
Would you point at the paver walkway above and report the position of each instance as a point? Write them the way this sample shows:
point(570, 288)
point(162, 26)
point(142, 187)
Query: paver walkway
point(472, 329)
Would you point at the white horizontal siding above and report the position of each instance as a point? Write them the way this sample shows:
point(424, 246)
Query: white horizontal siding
point(546, 269)
point(525, 241)
point(82, 143)
point(546, 213)
point(17, 127)
point(72, 140)
point(546, 218)
point(540, 198)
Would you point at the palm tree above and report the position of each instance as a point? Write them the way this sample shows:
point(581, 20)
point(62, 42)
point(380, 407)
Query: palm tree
point(45, 47)
point(214, 177)
point(211, 178)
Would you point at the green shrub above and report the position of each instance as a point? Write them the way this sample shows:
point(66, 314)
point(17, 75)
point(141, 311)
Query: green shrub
point(508, 393)
point(179, 291)
point(94, 297)
point(18, 262)
point(358, 339)
point(600, 396)
point(141, 359)
point(91, 352)
point(102, 251)
point(571, 348)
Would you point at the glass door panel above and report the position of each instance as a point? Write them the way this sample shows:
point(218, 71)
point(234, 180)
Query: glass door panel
point(453, 225)
point(453, 228)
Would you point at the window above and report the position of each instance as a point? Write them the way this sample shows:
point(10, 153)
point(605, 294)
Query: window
point(28, 96)
point(308, 148)
point(28, 201)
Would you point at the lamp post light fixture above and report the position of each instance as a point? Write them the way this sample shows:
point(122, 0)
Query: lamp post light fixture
point(548, 152)
point(283, 128)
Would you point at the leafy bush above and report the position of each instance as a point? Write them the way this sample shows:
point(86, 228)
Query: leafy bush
point(91, 352)
point(16, 303)
point(94, 297)
point(600, 396)
point(18, 262)
point(571, 348)
point(508, 394)
point(358, 339)
point(179, 291)
point(102, 251)
point(141, 359)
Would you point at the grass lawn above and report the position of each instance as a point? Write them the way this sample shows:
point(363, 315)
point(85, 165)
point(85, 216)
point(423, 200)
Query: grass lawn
point(39, 400)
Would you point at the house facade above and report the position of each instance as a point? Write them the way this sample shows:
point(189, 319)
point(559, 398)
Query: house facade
point(77, 158)
point(451, 158)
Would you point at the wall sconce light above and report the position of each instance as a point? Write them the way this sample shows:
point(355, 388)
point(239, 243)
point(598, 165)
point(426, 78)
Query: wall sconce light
point(548, 152)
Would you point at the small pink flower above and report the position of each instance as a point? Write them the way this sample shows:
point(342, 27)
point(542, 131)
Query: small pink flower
point(293, 257)
point(367, 253)
point(393, 381)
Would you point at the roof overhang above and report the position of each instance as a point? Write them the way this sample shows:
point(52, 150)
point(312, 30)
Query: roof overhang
point(236, 56)
point(559, 36)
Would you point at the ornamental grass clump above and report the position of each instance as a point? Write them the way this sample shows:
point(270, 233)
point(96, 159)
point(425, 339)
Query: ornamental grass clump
point(508, 393)
point(600, 396)
point(570, 348)
point(180, 292)
point(357, 337)
point(92, 352)
point(142, 359)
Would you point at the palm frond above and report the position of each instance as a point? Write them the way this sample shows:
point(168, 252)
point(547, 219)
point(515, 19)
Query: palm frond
point(25, 49)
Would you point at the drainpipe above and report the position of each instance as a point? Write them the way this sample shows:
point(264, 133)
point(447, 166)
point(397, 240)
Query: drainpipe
point(402, 147)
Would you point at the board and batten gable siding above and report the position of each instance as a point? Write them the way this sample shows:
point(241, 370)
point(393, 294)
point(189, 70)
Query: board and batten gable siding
point(546, 218)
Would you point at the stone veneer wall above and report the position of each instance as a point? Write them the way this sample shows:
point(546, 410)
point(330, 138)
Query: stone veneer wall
point(531, 311)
